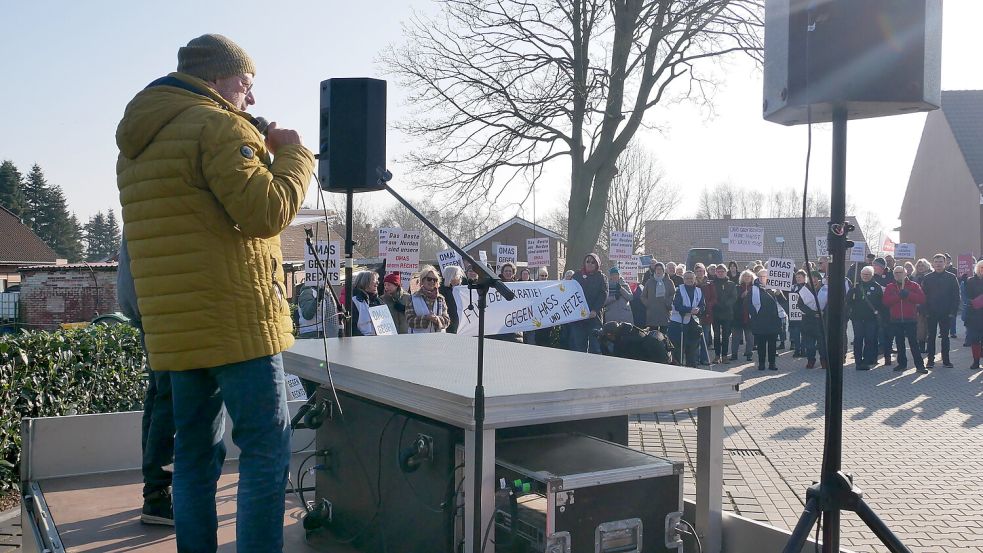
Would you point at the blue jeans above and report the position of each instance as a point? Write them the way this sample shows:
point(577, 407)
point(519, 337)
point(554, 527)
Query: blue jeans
point(812, 341)
point(255, 397)
point(581, 338)
point(865, 341)
point(157, 427)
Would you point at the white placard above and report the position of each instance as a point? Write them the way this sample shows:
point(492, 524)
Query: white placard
point(538, 252)
point(794, 313)
point(536, 305)
point(622, 245)
point(629, 270)
point(382, 321)
point(781, 273)
point(448, 257)
point(384, 234)
point(822, 247)
point(904, 251)
point(746, 239)
point(505, 253)
point(295, 388)
point(858, 254)
point(403, 252)
point(329, 252)
point(483, 256)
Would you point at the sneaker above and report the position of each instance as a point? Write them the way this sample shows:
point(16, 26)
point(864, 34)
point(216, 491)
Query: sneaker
point(901, 368)
point(157, 509)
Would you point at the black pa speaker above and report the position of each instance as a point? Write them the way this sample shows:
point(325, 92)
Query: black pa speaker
point(873, 57)
point(352, 154)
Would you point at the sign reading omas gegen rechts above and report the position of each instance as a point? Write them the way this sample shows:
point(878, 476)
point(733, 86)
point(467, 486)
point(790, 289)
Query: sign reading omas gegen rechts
point(505, 253)
point(329, 252)
point(780, 273)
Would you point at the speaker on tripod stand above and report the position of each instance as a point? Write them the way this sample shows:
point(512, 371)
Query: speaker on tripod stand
point(834, 60)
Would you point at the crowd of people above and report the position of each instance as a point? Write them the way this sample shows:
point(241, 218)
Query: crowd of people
point(710, 312)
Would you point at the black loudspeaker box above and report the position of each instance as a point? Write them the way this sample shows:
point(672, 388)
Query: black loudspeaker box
point(352, 153)
point(873, 57)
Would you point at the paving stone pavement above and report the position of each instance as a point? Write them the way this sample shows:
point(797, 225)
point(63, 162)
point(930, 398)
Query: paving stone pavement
point(914, 443)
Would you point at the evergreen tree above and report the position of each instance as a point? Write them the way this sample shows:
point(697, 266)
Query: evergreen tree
point(36, 212)
point(71, 234)
point(95, 231)
point(11, 183)
point(113, 234)
point(62, 228)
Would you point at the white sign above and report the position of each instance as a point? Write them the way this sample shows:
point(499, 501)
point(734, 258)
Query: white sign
point(794, 313)
point(483, 256)
point(384, 234)
point(746, 239)
point(295, 388)
point(629, 270)
point(904, 251)
point(536, 305)
point(859, 252)
point(822, 247)
point(382, 321)
point(506, 254)
point(781, 273)
point(538, 252)
point(403, 252)
point(622, 245)
point(329, 252)
point(449, 257)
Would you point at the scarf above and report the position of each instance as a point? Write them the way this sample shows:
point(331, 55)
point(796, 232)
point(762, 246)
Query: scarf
point(430, 295)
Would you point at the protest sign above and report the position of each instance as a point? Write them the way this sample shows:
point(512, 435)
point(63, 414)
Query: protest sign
point(295, 389)
point(536, 305)
point(622, 245)
point(506, 254)
point(794, 313)
point(449, 257)
point(746, 239)
point(629, 270)
point(483, 256)
point(329, 253)
point(888, 246)
point(964, 264)
point(384, 234)
point(645, 261)
point(822, 246)
point(780, 273)
point(904, 251)
point(382, 321)
point(538, 252)
point(403, 254)
point(858, 254)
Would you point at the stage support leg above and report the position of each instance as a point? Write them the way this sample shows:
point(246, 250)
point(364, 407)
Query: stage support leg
point(488, 485)
point(709, 475)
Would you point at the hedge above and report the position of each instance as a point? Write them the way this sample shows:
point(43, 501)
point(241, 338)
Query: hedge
point(96, 369)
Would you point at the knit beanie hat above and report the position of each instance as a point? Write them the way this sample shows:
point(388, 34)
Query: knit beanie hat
point(210, 57)
point(614, 271)
point(393, 278)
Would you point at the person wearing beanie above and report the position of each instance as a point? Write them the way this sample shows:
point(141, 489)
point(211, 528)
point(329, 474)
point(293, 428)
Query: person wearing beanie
point(617, 306)
point(204, 199)
point(396, 299)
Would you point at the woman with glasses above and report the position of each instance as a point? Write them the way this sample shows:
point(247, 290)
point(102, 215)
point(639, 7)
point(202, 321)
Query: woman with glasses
point(427, 310)
point(595, 288)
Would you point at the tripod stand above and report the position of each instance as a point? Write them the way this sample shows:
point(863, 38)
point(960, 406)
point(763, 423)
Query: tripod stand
point(835, 491)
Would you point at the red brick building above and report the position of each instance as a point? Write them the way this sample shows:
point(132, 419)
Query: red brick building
point(51, 295)
point(19, 246)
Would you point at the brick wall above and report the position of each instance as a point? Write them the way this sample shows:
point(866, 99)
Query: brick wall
point(51, 297)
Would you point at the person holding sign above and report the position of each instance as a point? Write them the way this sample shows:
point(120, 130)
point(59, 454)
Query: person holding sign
point(865, 306)
point(396, 299)
point(974, 314)
point(795, 322)
point(427, 310)
point(616, 306)
point(766, 320)
point(317, 313)
point(902, 297)
point(365, 294)
point(595, 287)
point(812, 303)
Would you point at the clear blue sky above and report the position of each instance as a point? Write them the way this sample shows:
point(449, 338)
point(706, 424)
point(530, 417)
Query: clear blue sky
point(69, 68)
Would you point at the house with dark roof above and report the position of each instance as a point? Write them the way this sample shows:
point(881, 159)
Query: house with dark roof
point(19, 247)
point(515, 232)
point(943, 204)
point(671, 240)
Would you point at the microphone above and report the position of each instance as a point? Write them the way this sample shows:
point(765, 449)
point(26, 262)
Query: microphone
point(261, 124)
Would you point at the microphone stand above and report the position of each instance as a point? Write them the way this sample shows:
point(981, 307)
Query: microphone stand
point(486, 281)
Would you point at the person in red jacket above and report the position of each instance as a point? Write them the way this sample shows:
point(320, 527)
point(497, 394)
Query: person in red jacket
point(902, 297)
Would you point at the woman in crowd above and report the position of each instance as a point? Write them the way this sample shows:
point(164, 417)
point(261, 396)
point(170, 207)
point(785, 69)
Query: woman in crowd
point(902, 298)
point(864, 302)
point(703, 280)
point(396, 299)
point(453, 276)
point(568, 274)
point(795, 327)
point(657, 296)
point(637, 306)
point(923, 268)
point(525, 275)
point(733, 273)
point(684, 321)
point(725, 293)
point(595, 288)
point(617, 305)
point(909, 269)
point(812, 303)
point(365, 294)
point(542, 274)
point(507, 272)
point(742, 318)
point(765, 315)
point(427, 310)
point(974, 314)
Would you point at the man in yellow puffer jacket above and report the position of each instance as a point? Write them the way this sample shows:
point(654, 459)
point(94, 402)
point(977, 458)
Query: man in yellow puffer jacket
point(203, 206)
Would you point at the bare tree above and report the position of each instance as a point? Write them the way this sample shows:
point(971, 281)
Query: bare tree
point(719, 202)
point(462, 225)
point(873, 229)
point(503, 87)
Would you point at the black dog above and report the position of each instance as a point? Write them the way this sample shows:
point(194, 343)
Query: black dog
point(628, 341)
